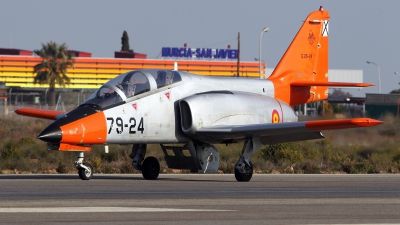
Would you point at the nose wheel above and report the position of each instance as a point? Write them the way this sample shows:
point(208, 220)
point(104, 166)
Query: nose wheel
point(85, 170)
point(86, 173)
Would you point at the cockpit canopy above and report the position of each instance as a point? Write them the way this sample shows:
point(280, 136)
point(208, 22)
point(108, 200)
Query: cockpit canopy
point(130, 84)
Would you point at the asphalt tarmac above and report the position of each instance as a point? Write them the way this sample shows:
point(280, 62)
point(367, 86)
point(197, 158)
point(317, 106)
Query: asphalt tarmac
point(200, 199)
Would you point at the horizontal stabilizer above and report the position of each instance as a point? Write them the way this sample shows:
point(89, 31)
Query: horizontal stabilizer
point(40, 113)
point(328, 84)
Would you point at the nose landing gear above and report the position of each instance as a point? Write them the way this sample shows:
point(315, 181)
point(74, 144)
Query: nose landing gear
point(85, 170)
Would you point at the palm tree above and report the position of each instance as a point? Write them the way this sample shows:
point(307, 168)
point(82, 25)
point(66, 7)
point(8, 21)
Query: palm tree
point(53, 69)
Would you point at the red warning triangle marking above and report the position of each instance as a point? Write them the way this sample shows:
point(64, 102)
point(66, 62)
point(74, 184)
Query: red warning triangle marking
point(134, 106)
point(167, 94)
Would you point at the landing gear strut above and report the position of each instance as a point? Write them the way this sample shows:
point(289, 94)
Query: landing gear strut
point(85, 170)
point(150, 166)
point(244, 168)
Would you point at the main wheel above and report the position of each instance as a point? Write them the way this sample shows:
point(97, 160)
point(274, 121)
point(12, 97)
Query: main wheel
point(244, 177)
point(150, 168)
point(86, 174)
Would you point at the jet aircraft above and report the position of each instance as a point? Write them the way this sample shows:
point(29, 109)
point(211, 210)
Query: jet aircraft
point(167, 107)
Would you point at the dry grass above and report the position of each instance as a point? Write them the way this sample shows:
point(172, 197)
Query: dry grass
point(364, 150)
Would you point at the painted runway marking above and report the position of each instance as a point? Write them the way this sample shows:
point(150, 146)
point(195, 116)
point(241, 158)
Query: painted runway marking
point(101, 209)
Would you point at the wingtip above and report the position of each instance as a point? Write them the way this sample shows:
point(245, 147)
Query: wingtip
point(366, 122)
point(17, 111)
point(366, 85)
point(39, 113)
point(342, 123)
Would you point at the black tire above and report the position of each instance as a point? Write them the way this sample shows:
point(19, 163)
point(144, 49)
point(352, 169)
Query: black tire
point(80, 172)
point(150, 168)
point(86, 174)
point(244, 177)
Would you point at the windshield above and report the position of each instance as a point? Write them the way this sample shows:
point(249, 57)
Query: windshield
point(117, 90)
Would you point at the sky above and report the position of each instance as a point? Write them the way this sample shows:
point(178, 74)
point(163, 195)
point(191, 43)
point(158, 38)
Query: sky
point(359, 30)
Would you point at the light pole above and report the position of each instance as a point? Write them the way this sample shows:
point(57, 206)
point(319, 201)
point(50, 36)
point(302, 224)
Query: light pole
point(396, 73)
point(379, 75)
point(259, 58)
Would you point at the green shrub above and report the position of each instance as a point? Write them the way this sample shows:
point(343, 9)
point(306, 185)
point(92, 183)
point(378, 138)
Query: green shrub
point(279, 153)
point(365, 166)
point(109, 169)
point(26, 140)
point(96, 163)
point(390, 132)
point(11, 150)
point(112, 155)
point(348, 167)
point(62, 168)
point(396, 156)
point(126, 166)
point(311, 168)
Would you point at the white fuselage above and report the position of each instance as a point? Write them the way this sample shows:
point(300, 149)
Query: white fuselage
point(152, 117)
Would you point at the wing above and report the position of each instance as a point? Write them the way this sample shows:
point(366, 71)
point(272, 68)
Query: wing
point(40, 113)
point(328, 84)
point(281, 132)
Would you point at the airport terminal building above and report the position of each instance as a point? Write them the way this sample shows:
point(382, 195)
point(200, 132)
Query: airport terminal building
point(89, 73)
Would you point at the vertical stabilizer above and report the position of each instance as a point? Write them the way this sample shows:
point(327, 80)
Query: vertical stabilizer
point(306, 60)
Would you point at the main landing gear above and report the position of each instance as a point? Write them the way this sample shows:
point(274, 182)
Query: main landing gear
point(150, 166)
point(85, 170)
point(244, 168)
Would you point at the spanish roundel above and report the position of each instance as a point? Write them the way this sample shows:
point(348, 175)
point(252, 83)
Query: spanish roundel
point(275, 116)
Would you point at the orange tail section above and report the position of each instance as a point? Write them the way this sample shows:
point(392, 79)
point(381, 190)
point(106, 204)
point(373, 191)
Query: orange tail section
point(305, 60)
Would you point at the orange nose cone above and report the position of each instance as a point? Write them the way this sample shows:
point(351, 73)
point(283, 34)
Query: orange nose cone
point(91, 129)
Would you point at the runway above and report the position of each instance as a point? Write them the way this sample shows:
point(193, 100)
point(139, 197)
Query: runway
point(200, 199)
